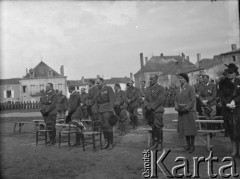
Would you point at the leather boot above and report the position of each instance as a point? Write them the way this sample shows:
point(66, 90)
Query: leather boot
point(188, 143)
point(234, 148)
point(110, 147)
point(77, 140)
point(107, 140)
point(192, 147)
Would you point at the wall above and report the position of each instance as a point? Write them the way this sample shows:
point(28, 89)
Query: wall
point(15, 88)
point(37, 82)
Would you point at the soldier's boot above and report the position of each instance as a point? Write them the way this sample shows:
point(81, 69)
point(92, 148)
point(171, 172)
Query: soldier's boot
point(237, 143)
point(77, 142)
point(135, 122)
point(153, 138)
point(192, 146)
point(107, 140)
point(158, 140)
point(188, 143)
point(110, 147)
point(124, 129)
point(234, 148)
point(105, 136)
point(132, 121)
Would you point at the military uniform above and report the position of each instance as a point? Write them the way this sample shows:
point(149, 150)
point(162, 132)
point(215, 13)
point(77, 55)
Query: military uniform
point(209, 92)
point(61, 105)
point(84, 104)
point(105, 106)
point(143, 94)
point(92, 103)
point(75, 113)
point(133, 102)
point(120, 110)
point(49, 112)
point(198, 86)
point(154, 102)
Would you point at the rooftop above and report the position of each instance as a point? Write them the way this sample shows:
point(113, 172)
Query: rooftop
point(42, 71)
point(10, 81)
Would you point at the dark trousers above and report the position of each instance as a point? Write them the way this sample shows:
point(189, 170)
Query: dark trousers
point(50, 122)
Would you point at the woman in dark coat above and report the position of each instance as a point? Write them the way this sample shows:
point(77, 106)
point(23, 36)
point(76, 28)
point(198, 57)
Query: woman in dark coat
point(230, 97)
point(185, 104)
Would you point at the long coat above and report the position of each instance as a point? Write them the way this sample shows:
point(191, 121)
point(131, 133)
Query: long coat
point(186, 122)
point(74, 106)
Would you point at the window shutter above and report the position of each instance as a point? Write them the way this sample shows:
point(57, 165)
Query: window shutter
point(12, 93)
point(5, 94)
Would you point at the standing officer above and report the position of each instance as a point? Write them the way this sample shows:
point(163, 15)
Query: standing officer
point(91, 102)
point(74, 111)
point(61, 105)
point(143, 94)
point(49, 111)
point(198, 86)
point(208, 95)
point(120, 108)
point(133, 102)
point(84, 98)
point(154, 102)
point(105, 108)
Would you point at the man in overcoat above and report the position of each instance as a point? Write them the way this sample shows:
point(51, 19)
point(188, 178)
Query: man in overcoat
point(154, 101)
point(49, 111)
point(105, 108)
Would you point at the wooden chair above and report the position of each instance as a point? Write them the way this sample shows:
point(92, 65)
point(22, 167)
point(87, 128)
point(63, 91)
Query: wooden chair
point(96, 131)
point(45, 132)
point(68, 129)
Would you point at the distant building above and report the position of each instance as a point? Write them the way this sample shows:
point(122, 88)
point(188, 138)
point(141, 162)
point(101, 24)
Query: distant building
point(36, 79)
point(9, 90)
point(215, 66)
point(166, 67)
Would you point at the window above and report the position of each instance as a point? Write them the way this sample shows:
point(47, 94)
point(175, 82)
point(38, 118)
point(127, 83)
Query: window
point(41, 87)
point(24, 89)
point(37, 88)
point(234, 58)
point(32, 89)
point(60, 87)
point(9, 94)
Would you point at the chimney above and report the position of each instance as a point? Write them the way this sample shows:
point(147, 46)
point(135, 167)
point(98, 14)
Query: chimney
point(26, 71)
point(146, 60)
point(31, 73)
point(141, 60)
point(183, 55)
point(234, 46)
point(161, 55)
point(187, 58)
point(98, 76)
point(62, 70)
point(198, 60)
point(131, 76)
point(83, 80)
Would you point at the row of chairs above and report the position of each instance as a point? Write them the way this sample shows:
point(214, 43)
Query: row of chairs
point(95, 135)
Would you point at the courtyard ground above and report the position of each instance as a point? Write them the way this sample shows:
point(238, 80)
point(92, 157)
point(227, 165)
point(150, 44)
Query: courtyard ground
point(22, 159)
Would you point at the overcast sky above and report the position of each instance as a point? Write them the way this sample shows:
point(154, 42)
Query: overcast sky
point(106, 38)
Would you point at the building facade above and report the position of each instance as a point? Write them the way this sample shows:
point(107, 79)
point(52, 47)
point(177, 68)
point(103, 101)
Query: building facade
point(9, 90)
point(34, 83)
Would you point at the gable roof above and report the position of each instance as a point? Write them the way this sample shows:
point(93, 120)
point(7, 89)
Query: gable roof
point(41, 71)
point(207, 63)
point(10, 81)
point(231, 52)
point(166, 64)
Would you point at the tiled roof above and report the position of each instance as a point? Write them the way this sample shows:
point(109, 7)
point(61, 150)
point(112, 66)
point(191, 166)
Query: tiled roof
point(166, 64)
point(42, 70)
point(231, 52)
point(207, 63)
point(10, 81)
